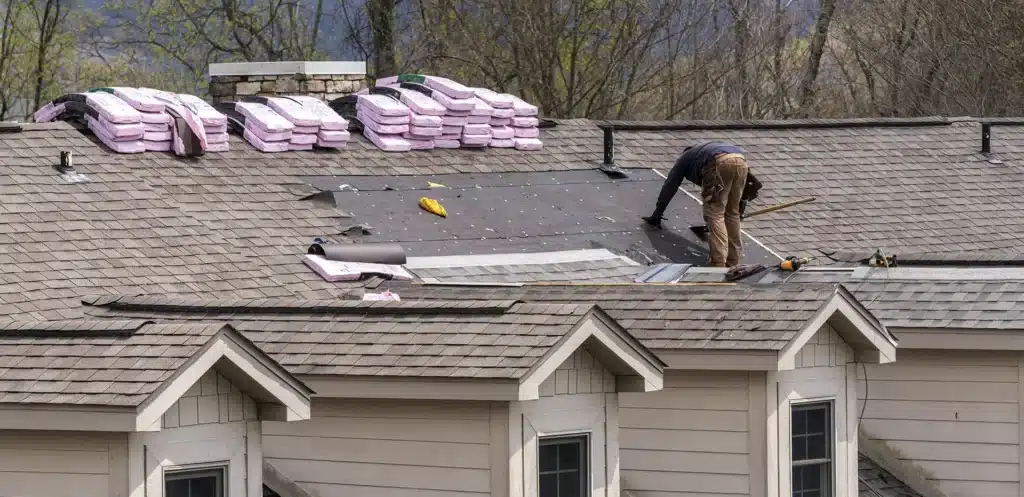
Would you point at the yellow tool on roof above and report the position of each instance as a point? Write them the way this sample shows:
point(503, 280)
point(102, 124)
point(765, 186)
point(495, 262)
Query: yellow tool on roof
point(431, 184)
point(433, 206)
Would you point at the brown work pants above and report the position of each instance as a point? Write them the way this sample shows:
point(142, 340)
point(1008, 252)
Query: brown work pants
point(723, 181)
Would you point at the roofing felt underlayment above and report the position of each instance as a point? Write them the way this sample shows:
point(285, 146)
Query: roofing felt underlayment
point(520, 212)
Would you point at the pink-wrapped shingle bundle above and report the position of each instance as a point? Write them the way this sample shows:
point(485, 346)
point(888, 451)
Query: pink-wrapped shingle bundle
point(423, 127)
point(124, 137)
point(188, 133)
point(481, 113)
point(215, 123)
point(306, 123)
point(385, 120)
point(259, 125)
point(457, 100)
point(333, 129)
point(156, 121)
point(48, 112)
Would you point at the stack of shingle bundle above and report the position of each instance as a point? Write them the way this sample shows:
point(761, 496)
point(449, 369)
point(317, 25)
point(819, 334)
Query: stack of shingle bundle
point(156, 122)
point(259, 125)
point(425, 116)
point(525, 125)
point(307, 124)
point(114, 122)
point(333, 132)
point(214, 122)
point(502, 134)
point(458, 104)
point(188, 134)
point(385, 121)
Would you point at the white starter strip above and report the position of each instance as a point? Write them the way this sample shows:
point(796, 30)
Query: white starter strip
point(755, 240)
point(559, 257)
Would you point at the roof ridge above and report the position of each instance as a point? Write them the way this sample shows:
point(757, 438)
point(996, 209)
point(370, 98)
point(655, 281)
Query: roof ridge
point(285, 305)
point(76, 328)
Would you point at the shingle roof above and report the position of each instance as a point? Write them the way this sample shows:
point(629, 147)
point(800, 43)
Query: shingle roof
point(909, 185)
point(579, 265)
point(103, 363)
point(496, 338)
point(672, 317)
point(873, 481)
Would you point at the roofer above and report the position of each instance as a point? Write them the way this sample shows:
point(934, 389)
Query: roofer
point(721, 172)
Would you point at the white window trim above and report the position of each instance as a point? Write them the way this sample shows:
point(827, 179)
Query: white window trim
point(192, 469)
point(804, 386)
point(234, 446)
point(594, 415)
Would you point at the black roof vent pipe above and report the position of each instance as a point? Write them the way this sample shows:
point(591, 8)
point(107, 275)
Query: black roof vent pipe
point(986, 138)
point(608, 164)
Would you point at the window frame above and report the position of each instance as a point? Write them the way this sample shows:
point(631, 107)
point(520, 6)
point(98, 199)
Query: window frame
point(831, 439)
point(187, 472)
point(582, 441)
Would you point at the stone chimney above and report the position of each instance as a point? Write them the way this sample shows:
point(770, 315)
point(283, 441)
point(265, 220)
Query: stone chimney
point(326, 80)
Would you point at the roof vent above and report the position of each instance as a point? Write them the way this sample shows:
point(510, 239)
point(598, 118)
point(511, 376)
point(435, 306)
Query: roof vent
point(986, 138)
point(608, 164)
point(67, 169)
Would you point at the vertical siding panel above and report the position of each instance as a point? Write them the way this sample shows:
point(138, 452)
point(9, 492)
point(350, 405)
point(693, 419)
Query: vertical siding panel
point(954, 416)
point(757, 423)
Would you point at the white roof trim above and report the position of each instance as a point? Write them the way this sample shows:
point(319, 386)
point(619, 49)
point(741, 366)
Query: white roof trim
point(517, 259)
point(529, 386)
point(881, 343)
point(221, 347)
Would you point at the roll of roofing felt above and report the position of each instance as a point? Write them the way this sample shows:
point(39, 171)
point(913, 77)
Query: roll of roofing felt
point(377, 253)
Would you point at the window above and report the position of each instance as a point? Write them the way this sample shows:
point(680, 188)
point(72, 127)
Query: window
point(811, 450)
point(208, 482)
point(562, 465)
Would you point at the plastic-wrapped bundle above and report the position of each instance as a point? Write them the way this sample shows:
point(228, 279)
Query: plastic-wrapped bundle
point(416, 101)
point(329, 119)
point(494, 99)
point(426, 131)
point(449, 103)
point(502, 133)
point(387, 143)
point(303, 139)
point(120, 146)
point(498, 121)
point(443, 86)
point(288, 109)
point(504, 113)
point(451, 130)
point(425, 121)
point(382, 105)
point(526, 132)
point(420, 144)
point(188, 137)
point(164, 126)
point(478, 119)
point(475, 140)
point(265, 146)
point(477, 130)
point(449, 121)
point(113, 109)
point(449, 136)
point(206, 112)
point(263, 117)
point(438, 143)
point(306, 130)
point(212, 138)
point(218, 147)
point(139, 100)
point(333, 136)
point(363, 112)
point(158, 136)
point(381, 129)
point(480, 108)
point(525, 122)
point(117, 132)
point(522, 108)
point(320, 142)
point(157, 146)
point(48, 112)
point(499, 143)
point(223, 128)
point(528, 144)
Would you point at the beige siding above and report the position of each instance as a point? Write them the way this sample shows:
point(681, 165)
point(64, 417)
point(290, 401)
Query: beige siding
point(213, 399)
point(689, 439)
point(62, 464)
point(390, 448)
point(580, 374)
point(825, 349)
point(953, 416)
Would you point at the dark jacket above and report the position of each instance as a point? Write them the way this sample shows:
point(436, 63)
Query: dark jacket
point(694, 159)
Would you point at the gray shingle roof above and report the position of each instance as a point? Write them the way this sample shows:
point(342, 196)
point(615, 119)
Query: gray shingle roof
point(103, 363)
point(496, 338)
point(920, 188)
point(874, 481)
point(672, 317)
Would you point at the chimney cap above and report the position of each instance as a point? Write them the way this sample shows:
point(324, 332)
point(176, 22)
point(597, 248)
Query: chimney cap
point(287, 68)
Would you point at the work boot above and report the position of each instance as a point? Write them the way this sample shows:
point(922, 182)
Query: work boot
point(653, 220)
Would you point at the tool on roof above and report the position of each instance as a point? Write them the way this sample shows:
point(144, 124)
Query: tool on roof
point(702, 230)
point(742, 271)
point(431, 184)
point(879, 259)
point(793, 263)
point(433, 206)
